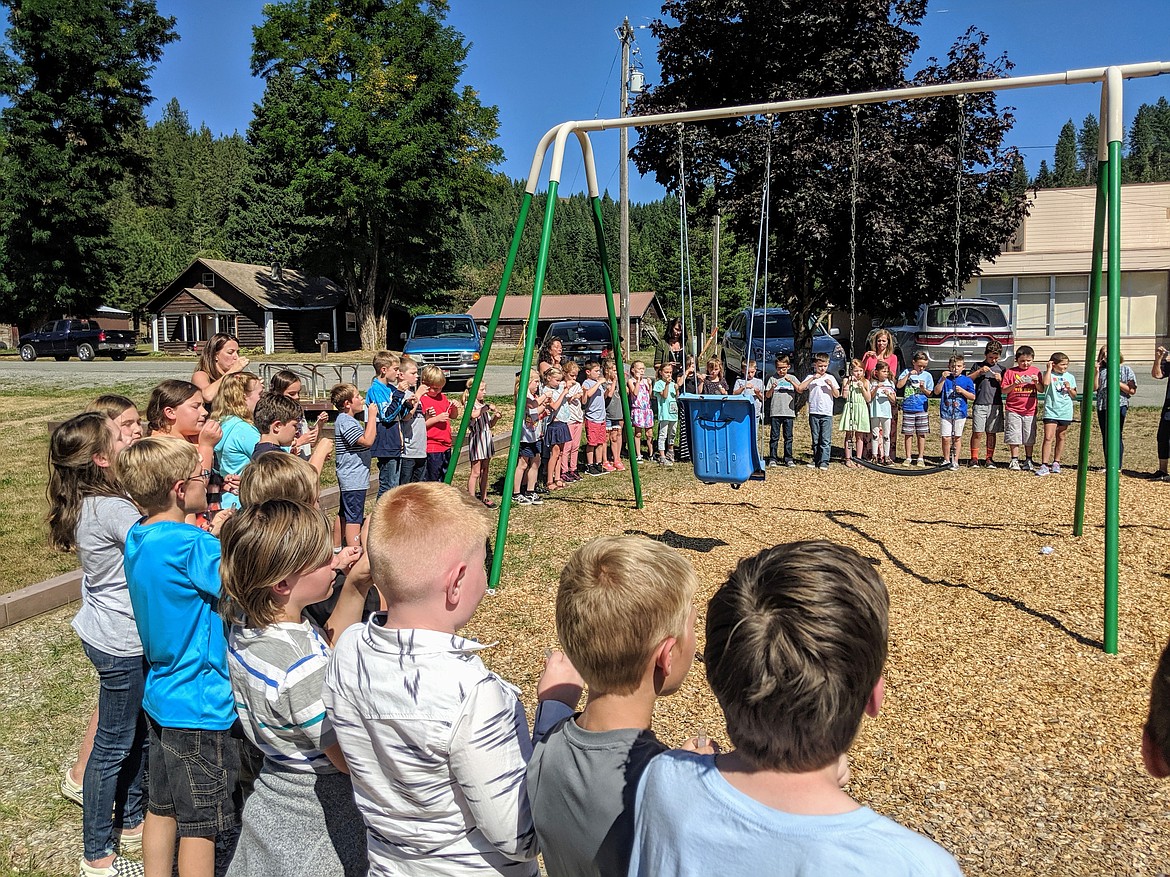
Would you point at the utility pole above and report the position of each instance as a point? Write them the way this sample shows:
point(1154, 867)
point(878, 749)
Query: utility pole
point(626, 35)
point(715, 265)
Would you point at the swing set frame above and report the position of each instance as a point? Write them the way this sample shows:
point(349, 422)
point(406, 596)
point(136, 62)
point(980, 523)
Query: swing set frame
point(1107, 221)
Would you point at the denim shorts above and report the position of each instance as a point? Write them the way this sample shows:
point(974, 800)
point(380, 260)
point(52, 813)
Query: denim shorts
point(352, 507)
point(193, 778)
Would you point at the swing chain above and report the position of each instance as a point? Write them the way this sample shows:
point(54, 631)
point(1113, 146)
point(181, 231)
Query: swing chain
point(959, 162)
point(855, 109)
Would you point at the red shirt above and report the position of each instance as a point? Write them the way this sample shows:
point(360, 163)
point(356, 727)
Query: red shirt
point(869, 363)
point(1019, 393)
point(438, 434)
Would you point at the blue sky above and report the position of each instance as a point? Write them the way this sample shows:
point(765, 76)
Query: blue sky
point(543, 62)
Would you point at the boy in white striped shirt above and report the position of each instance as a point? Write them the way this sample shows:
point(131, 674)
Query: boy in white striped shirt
point(437, 745)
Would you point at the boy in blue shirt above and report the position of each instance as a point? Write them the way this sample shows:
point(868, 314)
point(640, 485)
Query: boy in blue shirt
point(916, 385)
point(387, 446)
point(775, 803)
point(172, 574)
point(955, 390)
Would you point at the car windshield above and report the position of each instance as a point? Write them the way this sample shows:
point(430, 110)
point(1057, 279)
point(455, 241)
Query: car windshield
point(778, 326)
point(975, 316)
point(576, 333)
point(443, 327)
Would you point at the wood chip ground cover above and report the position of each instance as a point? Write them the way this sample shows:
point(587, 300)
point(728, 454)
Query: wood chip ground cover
point(1007, 735)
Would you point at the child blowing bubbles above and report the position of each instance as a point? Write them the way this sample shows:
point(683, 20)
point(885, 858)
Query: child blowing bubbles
point(855, 417)
point(1060, 389)
point(438, 411)
point(955, 390)
point(278, 559)
point(479, 443)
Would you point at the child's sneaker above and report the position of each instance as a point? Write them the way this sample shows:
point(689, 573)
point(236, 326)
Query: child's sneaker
point(620, 466)
point(790, 463)
point(1042, 470)
point(534, 499)
point(1014, 465)
point(118, 868)
point(824, 467)
point(919, 461)
point(1055, 468)
point(608, 466)
point(1029, 466)
point(521, 499)
point(130, 843)
point(990, 464)
point(71, 790)
point(954, 465)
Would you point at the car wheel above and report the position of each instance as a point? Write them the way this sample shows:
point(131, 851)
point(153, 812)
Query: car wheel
point(85, 352)
point(117, 357)
point(28, 353)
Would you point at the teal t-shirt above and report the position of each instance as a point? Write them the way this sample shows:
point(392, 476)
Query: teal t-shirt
point(172, 573)
point(1058, 404)
point(667, 407)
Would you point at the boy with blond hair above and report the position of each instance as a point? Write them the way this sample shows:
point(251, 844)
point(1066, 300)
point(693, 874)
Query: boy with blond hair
point(626, 618)
point(387, 446)
point(436, 744)
point(796, 641)
point(172, 573)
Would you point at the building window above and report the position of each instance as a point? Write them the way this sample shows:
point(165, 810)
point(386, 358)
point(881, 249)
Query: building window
point(1055, 305)
point(226, 323)
point(350, 321)
point(1070, 295)
point(1033, 295)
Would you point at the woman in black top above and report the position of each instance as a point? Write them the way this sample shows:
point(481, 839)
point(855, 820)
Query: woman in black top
point(1161, 371)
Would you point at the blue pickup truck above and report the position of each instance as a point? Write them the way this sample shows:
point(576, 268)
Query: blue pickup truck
point(84, 339)
point(450, 341)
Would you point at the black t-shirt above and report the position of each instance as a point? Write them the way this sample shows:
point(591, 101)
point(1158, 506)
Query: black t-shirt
point(987, 389)
point(264, 447)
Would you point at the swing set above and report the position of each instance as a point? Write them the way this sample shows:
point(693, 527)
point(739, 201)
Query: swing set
point(1107, 214)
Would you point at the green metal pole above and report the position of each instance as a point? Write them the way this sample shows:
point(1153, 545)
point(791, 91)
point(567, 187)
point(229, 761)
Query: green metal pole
point(617, 348)
point(1113, 410)
point(1088, 408)
point(525, 367)
point(465, 420)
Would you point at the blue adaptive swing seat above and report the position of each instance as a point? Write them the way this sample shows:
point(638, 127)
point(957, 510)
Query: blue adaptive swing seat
point(724, 446)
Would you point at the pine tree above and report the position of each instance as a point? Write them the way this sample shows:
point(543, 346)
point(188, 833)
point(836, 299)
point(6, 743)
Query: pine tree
point(1064, 169)
point(1043, 177)
point(1087, 144)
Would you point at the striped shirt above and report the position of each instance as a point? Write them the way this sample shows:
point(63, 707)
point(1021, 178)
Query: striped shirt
point(278, 674)
point(437, 748)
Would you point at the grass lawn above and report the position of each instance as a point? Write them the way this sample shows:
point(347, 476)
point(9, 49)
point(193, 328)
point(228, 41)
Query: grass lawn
point(1006, 735)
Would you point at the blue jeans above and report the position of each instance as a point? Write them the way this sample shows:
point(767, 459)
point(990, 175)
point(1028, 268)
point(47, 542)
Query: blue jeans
point(389, 469)
point(411, 470)
point(113, 774)
point(821, 426)
point(1102, 416)
point(778, 425)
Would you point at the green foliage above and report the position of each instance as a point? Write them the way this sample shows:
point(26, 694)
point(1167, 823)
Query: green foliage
point(1087, 143)
point(1149, 145)
point(723, 52)
point(374, 143)
point(74, 73)
point(1064, 170)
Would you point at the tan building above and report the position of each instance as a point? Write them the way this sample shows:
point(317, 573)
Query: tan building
point(1041, 280)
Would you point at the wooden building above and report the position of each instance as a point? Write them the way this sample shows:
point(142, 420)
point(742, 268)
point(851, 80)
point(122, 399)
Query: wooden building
point(269, 308)
point(644, 309)
point(1041, 279)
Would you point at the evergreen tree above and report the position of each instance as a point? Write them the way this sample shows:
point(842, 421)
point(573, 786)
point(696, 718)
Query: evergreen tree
point(380, 147)
point(74, 74)
point(1043, 177)
point(1148, 160)
point(1064, 168)
point(1087, 143)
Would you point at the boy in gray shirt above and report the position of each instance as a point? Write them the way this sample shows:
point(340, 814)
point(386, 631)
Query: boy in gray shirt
point(781, 397)
point(626, 619)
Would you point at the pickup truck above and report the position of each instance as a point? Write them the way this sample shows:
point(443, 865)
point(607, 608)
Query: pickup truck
point(84, 339)
point(450, 341)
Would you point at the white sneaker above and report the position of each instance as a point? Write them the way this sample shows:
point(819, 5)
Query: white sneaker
point(954, 465)
point(1042, 470)
point(71, 790)
point(1014, 465)
point(1055, 468)
point(118, 868)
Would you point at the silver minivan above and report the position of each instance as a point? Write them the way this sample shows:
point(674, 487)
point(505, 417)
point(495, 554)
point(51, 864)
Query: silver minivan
point(962, 326)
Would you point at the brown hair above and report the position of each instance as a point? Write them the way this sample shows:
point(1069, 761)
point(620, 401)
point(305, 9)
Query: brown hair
point(342, 393)
point(168, 394)
point(413, 520)
point(619, 598)
point(796, 642)
point(273, 408)
point(230, 400)
point(73, 475)
point(1158, 719)
point(263, 545)
point(992, 346)
point(113, 405)
point(282, 380)
point(278, 476)
point(213, 346)
point(149, 469)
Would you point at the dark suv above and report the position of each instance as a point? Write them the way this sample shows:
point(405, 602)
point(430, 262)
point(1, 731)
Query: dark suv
point(773, 327)
point(582, 340)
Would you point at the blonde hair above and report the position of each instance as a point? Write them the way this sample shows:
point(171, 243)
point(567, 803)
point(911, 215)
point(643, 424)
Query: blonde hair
point(113, 405)
point(262, 546)
point(148, 469)
point(384, 359)
point(619, 598)
point(421, 519)
point(278, 476)
point(230, 400)
point(432, 376)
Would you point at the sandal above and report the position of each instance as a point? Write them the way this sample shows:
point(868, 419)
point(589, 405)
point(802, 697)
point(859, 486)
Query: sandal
point(488, 503)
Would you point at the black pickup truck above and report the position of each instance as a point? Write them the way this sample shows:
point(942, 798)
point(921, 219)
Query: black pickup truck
point(84, 339)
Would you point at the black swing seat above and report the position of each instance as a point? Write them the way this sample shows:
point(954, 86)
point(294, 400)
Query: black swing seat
point(887, 470)
point(724, 447)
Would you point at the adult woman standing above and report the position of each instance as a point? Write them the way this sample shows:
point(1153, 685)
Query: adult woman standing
point(550, 356)
point(671, 350)
point(881, 349)
point(220, 358)
point(1160, 372)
